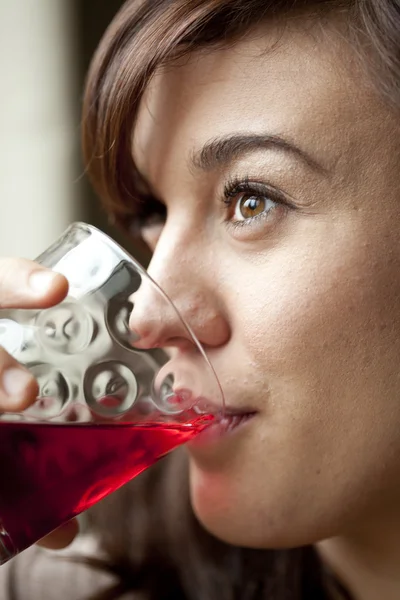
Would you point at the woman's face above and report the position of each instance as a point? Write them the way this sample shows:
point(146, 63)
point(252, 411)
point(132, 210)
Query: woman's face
point(279, 168)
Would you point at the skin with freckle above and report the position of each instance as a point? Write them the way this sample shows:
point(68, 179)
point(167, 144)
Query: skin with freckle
point(300, 311)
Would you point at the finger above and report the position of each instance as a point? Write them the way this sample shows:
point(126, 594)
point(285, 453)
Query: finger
point(26, 284)
point(61, 537)
point(18, 387)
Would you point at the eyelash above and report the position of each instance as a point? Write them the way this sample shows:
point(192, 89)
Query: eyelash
point(236, 186)
point(152, 210)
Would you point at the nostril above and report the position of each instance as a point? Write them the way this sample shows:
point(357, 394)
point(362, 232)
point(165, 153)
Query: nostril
point(146, 339)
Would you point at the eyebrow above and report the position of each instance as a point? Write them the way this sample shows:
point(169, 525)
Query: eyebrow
point(220, 151)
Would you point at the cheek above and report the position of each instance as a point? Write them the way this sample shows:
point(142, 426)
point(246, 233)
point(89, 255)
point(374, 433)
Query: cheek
point(326, 336)
point(315, 329)
point(309, 305)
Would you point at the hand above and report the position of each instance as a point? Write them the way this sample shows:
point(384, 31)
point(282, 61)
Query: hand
point(25, 284)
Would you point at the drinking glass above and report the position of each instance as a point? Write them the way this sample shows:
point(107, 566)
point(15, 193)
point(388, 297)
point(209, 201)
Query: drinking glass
point(110, 402)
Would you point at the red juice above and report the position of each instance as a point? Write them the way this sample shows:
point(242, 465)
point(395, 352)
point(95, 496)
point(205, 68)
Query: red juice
point(52, 472)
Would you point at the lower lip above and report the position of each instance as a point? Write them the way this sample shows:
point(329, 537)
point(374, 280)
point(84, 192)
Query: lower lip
point(222, 427)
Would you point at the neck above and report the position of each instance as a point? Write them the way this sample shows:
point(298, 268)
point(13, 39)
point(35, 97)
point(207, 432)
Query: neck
point(366, 561)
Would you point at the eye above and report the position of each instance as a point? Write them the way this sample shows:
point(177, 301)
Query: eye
point(248, 206)
point(250, 202)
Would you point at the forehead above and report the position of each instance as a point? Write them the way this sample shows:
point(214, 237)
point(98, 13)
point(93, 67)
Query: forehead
point(300, 81)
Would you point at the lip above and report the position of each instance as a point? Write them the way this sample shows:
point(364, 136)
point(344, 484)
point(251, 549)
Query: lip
point(223, 425)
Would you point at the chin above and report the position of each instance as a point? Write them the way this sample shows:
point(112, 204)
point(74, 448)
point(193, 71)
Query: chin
point(232, 517)
point(233, 528)
point(221, 513)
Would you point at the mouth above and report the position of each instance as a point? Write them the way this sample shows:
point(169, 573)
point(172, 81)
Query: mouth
point(232, 420)
point(224, 425)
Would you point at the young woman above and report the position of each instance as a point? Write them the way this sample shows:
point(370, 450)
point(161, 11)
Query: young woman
point(254, 147)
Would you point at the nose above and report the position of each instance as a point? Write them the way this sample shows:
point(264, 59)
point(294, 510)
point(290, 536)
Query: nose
point(192, 289)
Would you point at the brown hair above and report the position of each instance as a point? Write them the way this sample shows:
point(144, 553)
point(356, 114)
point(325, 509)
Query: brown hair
point(171, 556)
point(146, 34)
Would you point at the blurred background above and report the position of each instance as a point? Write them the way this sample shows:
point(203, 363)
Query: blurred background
point(45, 50)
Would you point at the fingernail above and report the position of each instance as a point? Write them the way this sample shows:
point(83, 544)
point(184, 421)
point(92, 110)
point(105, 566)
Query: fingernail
point(41, 281)
point(15, 381)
